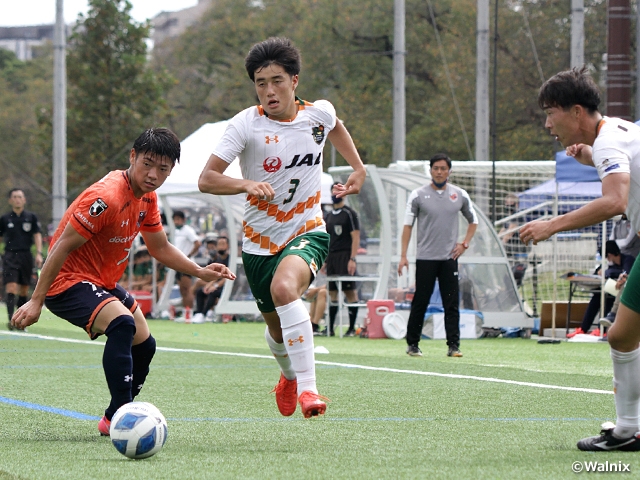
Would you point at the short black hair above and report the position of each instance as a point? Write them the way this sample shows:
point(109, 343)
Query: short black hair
point(569, 88)
point(15, 190)
point(611, 248)
point(440, 156)
point(178, 213)
point(278, 50)
point(223, 238)
point(158, 141)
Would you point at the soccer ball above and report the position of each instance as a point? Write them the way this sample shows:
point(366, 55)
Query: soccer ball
point(138, 430)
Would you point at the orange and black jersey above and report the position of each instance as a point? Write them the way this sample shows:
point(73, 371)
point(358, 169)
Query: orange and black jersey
point(110, 217)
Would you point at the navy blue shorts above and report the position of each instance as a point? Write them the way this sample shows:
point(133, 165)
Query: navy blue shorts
point(81, 303)
point(17, 267)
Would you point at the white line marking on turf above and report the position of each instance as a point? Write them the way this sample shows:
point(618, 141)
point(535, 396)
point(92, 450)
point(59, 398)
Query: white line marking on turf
point(336, 364)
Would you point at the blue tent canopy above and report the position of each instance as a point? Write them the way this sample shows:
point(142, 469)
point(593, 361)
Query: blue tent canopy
point(575, 182)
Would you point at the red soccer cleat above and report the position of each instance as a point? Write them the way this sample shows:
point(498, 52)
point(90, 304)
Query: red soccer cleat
point(104, 426)
point(286, 395)
point(312, 404)
point(577, 331)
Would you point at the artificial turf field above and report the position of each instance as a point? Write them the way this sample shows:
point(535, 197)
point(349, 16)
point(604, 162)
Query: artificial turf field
point(510, 408)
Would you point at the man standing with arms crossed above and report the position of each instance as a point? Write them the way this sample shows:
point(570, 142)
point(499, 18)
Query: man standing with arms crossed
point(570, 101)
point(279, 144)
point(19, 229)
point(436, 207)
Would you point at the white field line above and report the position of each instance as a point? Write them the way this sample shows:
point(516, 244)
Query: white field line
point(336, 364)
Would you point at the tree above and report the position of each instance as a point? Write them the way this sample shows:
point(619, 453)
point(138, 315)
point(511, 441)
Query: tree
point(112, 94)
point(347, 48)
point(25, 91)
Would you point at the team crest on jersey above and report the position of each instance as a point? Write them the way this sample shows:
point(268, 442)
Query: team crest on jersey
point(453, 197)
point(141, 218)
point(272, 164)
point(338, 229)
point(98, 207)
point(318, 134)
point(26, 226)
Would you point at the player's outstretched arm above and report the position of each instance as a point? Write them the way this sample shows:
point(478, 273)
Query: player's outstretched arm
point(162, 250)
point(341, 139)
point(29, 313)
point(615, 194)
point(212, 180)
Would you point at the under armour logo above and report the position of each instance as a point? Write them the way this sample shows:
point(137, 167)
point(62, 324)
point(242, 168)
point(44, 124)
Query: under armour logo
point(268, 139)
point(292, 341)
point(124, 222)
point(99, 294)
point(128, 378)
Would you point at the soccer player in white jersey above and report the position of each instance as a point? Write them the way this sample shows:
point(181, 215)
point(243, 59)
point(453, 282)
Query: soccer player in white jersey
point(570, 100)
point(279, 144)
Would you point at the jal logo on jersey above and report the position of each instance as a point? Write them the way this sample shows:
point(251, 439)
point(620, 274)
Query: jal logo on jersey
point(97, 208)
point(272, 164)
point(307, 160)
point(318, 134)
point(453, 197)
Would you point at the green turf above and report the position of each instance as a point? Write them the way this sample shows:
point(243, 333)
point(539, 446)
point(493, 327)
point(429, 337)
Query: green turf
point(386, 423)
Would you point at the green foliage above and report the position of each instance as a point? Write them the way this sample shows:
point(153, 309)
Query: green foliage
point(113, 95)
point(25, 90)
point(347, 58)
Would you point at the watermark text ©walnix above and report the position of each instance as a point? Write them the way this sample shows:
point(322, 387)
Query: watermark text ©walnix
point(608, 467)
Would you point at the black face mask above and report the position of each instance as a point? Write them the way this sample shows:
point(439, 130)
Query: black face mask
point(335, 199)
point(222, 252)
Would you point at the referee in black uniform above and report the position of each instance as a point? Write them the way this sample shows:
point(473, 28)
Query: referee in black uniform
point(19, 230)
point(343, 228)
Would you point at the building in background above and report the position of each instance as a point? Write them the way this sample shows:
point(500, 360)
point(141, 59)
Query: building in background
point(172, 24)
point(23, 41)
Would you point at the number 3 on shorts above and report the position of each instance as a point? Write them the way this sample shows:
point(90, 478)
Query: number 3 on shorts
point(303, 243)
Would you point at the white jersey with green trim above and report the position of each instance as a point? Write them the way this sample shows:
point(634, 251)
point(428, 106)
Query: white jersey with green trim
point(617, 150)
point(287, 155)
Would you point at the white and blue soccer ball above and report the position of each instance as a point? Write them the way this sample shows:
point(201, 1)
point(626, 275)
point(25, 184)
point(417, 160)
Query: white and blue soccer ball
point(138, 430)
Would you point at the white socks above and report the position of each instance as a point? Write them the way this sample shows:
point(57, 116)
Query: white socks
point(298, 340)
point(282, 357)
point(626, 384)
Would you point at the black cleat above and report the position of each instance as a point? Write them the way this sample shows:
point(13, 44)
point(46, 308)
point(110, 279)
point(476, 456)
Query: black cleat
point(414, 351)
point(606, 441)
point(10, 327)
point(454, 352)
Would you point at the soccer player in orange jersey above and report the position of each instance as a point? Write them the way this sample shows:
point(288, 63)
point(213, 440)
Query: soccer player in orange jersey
point(89, 252)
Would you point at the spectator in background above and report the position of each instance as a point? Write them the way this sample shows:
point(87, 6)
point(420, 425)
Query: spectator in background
point(19, 230)
point(626, 237)
point(620, 266)
point(629, 242)
point(186, 240)
point(435, 207)
point(343, 228)
point(208, 294)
